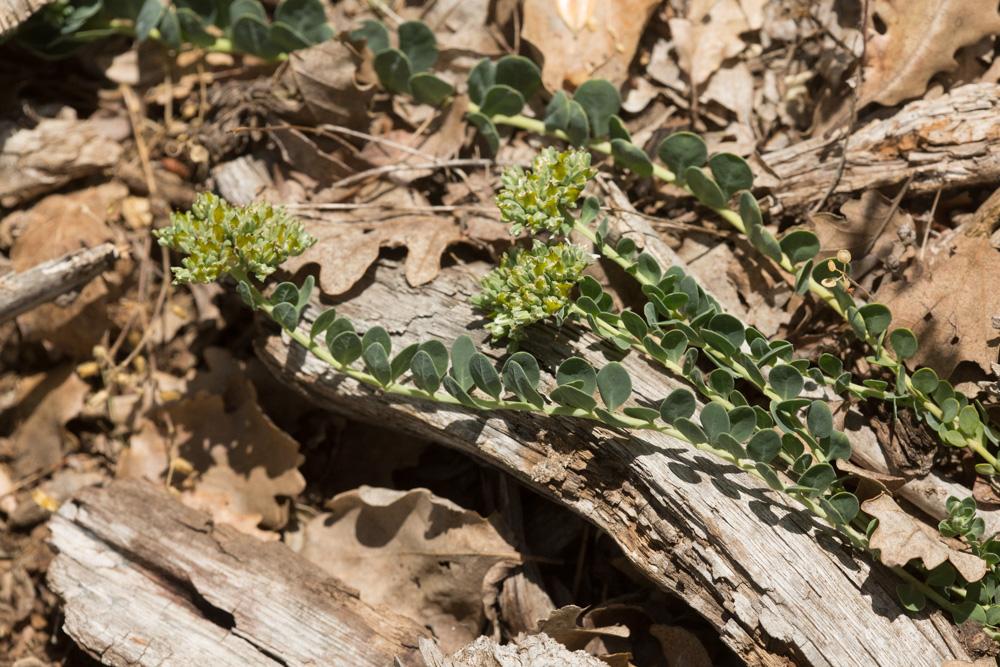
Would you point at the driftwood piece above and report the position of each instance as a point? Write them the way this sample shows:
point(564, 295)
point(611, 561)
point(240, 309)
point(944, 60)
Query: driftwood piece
point(777, 586)
point(148, 581)
point(20, 292)
point(942, 143)
point(15, 12)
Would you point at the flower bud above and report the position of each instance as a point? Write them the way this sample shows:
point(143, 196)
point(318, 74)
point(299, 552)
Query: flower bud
point(540, 200)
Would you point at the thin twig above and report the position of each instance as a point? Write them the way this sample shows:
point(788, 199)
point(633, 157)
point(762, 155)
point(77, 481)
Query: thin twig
point(391, 168)
point(930, 222)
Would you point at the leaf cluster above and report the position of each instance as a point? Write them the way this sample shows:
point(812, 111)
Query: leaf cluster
point(61, 27)
point(403, 68)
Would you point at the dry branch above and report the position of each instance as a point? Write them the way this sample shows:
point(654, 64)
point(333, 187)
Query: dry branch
point(148, 581)
point(947, 142)
point(20, 292)
point(776, 585)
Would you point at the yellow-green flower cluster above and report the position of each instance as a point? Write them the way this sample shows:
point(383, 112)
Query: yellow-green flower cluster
point(529, 286)
point(219, 238)
point(539, 200)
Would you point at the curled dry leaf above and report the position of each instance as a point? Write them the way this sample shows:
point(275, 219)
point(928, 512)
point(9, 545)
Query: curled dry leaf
point(708, 34)
point(949, 307)
point(57, 225)
point(900, 538)
point(324, 76)
point(55, 152)
point(428, 558)
point(585, 39)
point(568, 626)
point(919, 40)
point(868, 228)
point(462, 25)
point(345, 248)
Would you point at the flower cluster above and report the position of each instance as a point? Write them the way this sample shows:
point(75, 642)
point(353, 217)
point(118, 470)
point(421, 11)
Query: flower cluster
point(539, 200)
point(219, 239)
point(529, 286)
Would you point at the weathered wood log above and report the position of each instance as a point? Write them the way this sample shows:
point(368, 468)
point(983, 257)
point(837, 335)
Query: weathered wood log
point(15, 12)
point(776, 585)
point(943, 143)
point(20, 292)
point(148, 581)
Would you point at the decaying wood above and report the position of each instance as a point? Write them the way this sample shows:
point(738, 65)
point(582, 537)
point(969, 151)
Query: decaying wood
point(943, 143)
point(147, 581)
point(524, 651)
point(15, 12)
point(20, 292)
point(777, 586)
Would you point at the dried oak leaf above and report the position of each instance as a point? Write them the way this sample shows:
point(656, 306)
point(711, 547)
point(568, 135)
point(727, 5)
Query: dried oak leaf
point(57, 225)
point(707, 35)
point(324, 76)
point(567, 625)
point(346, 247)
point(428, 558)
point(585, 39)
point(55, 152)
point(900, 538)
point(864, 228)
point(39, 438)
point(243, 466)
point(681, 647)
point(949, 307)
point(919, 39)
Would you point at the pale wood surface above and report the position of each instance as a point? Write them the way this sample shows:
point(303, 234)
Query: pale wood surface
point(15, 12)
point(148, 581)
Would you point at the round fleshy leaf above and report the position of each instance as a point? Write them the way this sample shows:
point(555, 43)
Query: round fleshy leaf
point(647, 268)
point(968, 420)
point(721, 381)
point(704, 188)
point(614, 385)
point(306, 18)
point(750, 212)
point(818, 477)
point(729, 327)
point(819, 419)
point(424, 372)
point(487, 130)
point(679, 404)
point(800, 245)
point(520, 74)
point(484, 375)
point(557, 112)
point(877, 317)
point(252, 35)
point(786, 380)
point(287, 38)
point(617, 129)
point(599, 99)
point(527, 363)
point(764, 446)
point(401, 362)
point(170, 28)
point(417, 41)
point(481, 78)
point(149, 15)
point(377, 363)
point(374, 33)
point(682, 150)
point(286, 315)
point(631, 157)
point(501, 100)
point(925, 380)
point(904, 343)
point(731, 173)
point(394, 71)
point(579, 373)
point(346, 347)
point(573, 397)
point(910, 597)
point(438, 354)
point(322, 322)
point(429, 89)
point(577, 127)
point(377, 336)
point(837, 446)
point(742, 422)
point(714, 421)
point(841, 507)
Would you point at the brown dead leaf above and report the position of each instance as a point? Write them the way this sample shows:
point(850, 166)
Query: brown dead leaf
point(324, 76)
point(428, 558)
point(55, 152)
point(585, 39)
point(864, 228)
point(681, 647)
point(900, 538)
point(345, 248)
point(567, 625)
point(39, 440)
point(949, 307)
point(242, 466)
point(57, 225)
point(462, 25)
point(919, 39)
point(707, 35)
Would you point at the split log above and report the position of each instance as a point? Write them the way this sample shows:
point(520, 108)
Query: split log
point(20, 292)
point(777, 586)
point(942, 143)
point(15, 12)
point(148, 581)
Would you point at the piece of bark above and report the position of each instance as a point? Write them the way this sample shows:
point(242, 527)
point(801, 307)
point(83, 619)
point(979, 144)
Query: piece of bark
point(146, 580)
point(524, 651)
point(20, 292)
point(943, 143)
point(777, 586)
point(15, 12)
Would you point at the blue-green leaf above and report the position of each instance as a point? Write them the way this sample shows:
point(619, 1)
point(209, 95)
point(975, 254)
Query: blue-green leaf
point(501, 100)
point(682, 150)
point(394, 70)
point(374, 33)
point(704, 188)
point(417, 41)
point(600, 100)
point(614, 385)
point(731, 173)
point(520, 74)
